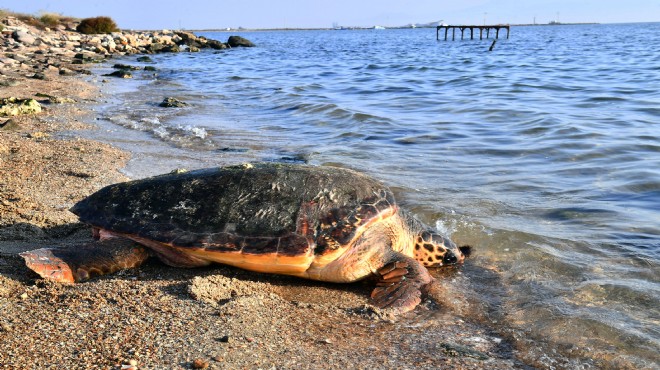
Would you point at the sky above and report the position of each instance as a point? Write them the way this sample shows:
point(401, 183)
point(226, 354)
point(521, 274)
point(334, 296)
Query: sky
point(215, 14)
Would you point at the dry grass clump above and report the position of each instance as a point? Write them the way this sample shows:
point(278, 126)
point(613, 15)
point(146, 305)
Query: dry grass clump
point(45, 20)
point(97, 25)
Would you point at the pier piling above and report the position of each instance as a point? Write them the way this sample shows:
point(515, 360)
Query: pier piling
point(481, 29)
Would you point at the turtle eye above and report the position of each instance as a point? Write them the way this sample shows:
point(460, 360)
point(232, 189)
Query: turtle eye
point(449, 258)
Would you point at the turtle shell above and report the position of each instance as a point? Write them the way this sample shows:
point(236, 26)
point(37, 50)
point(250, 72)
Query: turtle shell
point(265, 208)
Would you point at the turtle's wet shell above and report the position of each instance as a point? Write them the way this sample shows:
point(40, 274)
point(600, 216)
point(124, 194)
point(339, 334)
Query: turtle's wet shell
point(253, 209)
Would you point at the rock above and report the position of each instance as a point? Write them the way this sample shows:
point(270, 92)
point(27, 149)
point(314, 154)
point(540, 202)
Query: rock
point(125, 67)
point(235, 41)
point(217, 44)
point(144, 59)
point(193, 49)
point(13, 106)
point(55, 99)
point(150, 68)
point(120, 73)
point(7, 61)
point(155, 47)
point(171, 49)
point(186, 37)
point(39, 76)
point(81, 58)
point(20, 57)
point(66, 72)
point(172, 103)
point(200, 364)
point(24, 37)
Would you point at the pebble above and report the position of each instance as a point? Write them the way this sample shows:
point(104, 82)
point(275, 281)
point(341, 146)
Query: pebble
point(200, 364)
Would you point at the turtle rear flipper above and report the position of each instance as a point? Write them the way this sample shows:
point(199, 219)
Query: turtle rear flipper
point(400, 284)
point(79, 263)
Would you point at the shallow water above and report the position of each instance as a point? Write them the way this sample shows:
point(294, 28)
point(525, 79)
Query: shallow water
point(543, 154)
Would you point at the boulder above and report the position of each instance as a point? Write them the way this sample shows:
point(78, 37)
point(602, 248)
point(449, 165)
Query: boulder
point(216, 44)
point(235, 41)
point(14, 106)
point(24, 37)
point(172, 103)
point(155, 47)
point(125, 67)
point(120, 73)
point(186, 37)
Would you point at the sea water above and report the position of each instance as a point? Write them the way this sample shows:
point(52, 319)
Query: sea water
point(543, 154)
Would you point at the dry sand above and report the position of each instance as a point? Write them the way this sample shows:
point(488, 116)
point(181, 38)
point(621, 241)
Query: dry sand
point(158, 317)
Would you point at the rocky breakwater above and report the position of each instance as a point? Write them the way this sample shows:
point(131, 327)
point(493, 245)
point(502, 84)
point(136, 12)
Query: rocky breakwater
point(29, 49)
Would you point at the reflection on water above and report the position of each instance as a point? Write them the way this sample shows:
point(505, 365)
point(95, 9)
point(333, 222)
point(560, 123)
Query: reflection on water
point(543, 154)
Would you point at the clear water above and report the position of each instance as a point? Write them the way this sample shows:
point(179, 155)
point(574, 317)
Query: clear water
point(543, 154)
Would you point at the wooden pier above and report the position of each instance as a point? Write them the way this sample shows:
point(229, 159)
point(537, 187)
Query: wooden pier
point(480, 28)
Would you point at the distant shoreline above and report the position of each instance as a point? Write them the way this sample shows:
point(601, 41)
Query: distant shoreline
point(371, 28)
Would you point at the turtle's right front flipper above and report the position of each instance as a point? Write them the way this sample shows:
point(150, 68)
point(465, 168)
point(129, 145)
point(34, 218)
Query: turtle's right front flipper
point(400, 284)
point(79, 263)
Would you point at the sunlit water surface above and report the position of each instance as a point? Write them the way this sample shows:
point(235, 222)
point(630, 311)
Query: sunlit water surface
point(543, 154)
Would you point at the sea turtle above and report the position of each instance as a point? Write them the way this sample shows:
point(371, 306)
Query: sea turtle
point(316, 222)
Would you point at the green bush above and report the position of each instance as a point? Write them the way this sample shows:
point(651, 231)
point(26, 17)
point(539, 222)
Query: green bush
point(97, 25)
point(50, 20)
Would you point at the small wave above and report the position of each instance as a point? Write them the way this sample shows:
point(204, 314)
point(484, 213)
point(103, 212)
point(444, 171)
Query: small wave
point(151, 120)
point(199, 132)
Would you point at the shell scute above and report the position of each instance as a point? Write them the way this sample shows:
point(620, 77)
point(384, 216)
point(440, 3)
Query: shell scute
point(294, 245)
point(260, 245)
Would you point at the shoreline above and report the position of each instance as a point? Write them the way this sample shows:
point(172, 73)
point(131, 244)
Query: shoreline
point(162, 317)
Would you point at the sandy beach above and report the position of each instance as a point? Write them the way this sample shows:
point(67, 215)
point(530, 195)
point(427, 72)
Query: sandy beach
point(158, 317)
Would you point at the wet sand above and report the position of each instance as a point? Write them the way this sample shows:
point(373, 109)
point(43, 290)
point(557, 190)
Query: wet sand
point(158, 317)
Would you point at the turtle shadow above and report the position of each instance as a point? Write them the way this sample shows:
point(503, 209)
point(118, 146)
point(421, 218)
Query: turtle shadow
point(21, 237)
point(24, 236)
point(288, 288)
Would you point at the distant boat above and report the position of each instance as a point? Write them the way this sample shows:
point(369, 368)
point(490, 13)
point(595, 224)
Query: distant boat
point(379, 27)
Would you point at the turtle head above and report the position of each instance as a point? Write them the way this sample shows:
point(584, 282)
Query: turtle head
point(435, 250)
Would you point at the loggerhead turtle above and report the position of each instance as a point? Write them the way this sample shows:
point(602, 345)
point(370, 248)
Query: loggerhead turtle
point(321, 223)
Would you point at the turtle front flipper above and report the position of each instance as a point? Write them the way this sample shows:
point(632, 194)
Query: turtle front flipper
point(400, 284)
point(79, 263)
